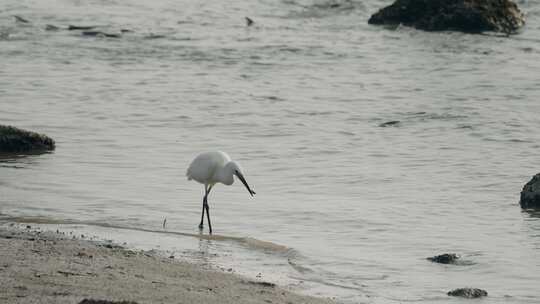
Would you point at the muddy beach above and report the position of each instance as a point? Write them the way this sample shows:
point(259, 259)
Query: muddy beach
point(50, 267)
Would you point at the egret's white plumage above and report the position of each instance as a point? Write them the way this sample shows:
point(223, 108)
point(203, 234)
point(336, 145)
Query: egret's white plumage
point(210, 168)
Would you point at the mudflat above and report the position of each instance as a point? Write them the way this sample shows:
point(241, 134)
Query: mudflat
point(48, 267)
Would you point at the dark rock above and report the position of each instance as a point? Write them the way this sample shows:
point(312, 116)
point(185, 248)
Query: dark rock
point(111, 246)
point(20, 19)
point(469, 293)
point(262, 283)
point(390, 123)
point(92, 301)
point(530, 195)
point(100, 34)
point(249, 21)
point(154, 36)
point(50, 27)
point(458, 15)
point(447, 258)
point(61, 293)
point(80, 28)
point(14, 140)
point(68, 273)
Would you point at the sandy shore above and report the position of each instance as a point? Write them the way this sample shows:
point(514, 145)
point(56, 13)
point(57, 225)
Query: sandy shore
point(48, 267)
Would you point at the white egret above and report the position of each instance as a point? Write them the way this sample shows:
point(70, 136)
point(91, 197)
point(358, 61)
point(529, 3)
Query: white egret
point(210, 168)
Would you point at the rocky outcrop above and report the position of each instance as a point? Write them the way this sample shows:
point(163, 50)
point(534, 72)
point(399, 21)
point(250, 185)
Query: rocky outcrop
point(446, 258)
point(14, 140)
point(453, 15)
point(530, 195)
point(469, 293)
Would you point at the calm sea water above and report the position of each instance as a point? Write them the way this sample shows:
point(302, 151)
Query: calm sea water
point(344, 208)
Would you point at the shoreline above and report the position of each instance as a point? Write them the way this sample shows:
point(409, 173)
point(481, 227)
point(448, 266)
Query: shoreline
point(50, 267)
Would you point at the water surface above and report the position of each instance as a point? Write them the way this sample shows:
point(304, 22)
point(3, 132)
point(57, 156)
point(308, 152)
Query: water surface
point(298, 99)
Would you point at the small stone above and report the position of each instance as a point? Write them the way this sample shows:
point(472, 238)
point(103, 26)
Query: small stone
point(447, 258)
point(469, 293)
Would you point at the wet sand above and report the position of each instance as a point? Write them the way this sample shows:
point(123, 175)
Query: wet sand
point(49, 267)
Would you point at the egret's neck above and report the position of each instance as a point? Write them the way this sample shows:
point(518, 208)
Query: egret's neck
point(226, 173)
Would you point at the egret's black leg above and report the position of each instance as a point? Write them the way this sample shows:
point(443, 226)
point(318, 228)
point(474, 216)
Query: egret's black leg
point(202, 215)
point(208, 216)
point(208, 209)
point(201, 225)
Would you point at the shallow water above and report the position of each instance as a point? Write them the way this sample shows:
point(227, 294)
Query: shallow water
point(298, 100)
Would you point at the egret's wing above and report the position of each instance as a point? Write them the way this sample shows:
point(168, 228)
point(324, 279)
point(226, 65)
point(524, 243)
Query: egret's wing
point(202, 168)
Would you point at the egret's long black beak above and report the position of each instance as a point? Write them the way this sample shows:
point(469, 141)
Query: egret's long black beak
point(243, 180)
